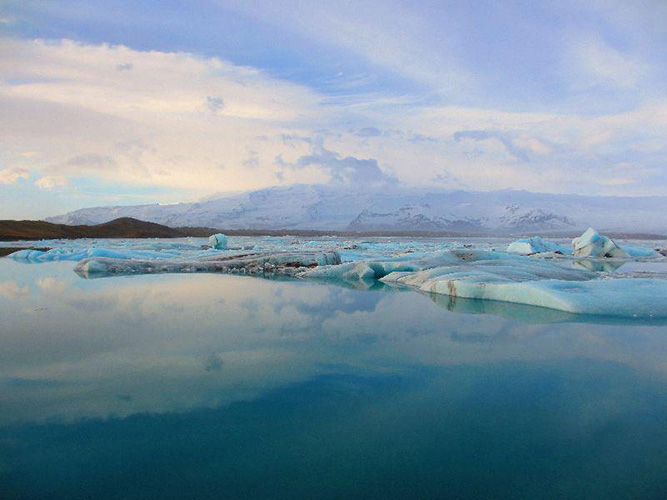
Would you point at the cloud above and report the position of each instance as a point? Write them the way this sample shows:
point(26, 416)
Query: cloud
point(51, 183)
point(163, 124)
point(12, 175)
point(416, 44)
point(88, 163)
point(143, 127)
point(369, 132)
point(252, 161)
point(215, 104)
point(485, 135)
point(447, 179)
point(595, 63)
point(417, 138)
point(345, 170)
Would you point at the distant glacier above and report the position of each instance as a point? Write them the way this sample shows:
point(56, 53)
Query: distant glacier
point(337, 208)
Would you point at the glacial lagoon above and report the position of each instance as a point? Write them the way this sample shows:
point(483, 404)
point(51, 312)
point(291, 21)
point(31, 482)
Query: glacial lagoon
point(233, 386)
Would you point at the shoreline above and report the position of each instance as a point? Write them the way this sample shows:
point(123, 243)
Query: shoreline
point(125, 228)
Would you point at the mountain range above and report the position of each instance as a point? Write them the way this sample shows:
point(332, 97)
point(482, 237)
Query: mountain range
point(338, 208)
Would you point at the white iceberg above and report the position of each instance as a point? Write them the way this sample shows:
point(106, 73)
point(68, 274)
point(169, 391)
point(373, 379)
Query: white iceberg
point(540, 283)
point(593, 244)
point(529, 246)
point(590, 244)
point(218, 241)
point(503, 277)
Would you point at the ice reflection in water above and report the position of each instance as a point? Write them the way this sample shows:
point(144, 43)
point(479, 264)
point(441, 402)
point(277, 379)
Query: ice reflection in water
point(242, 387)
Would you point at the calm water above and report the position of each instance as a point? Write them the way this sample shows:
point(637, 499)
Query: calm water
point(212, 386)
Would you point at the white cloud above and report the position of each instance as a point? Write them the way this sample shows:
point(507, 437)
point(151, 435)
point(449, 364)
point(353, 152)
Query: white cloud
point(51, 182)
point(592, 62)
point(167, 83)
point(392, 35)
point(152, 125)
point(173, 119)
point(11, 175)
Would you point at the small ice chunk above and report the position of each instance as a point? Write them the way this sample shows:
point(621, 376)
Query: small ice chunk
point(529, 246)
point(593, 244)
point(218, 241)
point(634, 251)
point(359, 271)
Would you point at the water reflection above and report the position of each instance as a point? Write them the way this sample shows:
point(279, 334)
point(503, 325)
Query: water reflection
point(78, 349)
point(598, 266)
point(532, 314)
point(10, 290)
point(241, 385)
point(503, 430)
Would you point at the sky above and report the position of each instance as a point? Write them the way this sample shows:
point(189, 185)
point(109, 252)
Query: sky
point(124, 102)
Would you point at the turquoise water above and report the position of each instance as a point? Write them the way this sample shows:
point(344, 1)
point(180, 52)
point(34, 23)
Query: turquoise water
point(214, 386)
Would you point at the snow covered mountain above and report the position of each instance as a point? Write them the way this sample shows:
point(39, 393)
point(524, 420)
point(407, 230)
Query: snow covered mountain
point(328, 207)
point(414, 218)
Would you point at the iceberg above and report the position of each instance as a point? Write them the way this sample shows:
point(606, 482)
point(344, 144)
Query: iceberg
point(593, 244)
point(589, 284)
point(530, 246)
point(72, 254)
point(503, 277)
point(590, 244)
point(540, 283)
point(359, 271)
point(218, 241)
point(640, 252)
point(630, 298)
point(278, 264)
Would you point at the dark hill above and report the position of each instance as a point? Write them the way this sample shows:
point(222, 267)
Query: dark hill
point(125, 227)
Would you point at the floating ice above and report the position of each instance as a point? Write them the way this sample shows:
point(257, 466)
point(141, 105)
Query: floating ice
point(590, 244)
point(593, 244)
point(540, 283)
point(503, 277)
point(58, 254)
point(436, 266)
point(283, 263)
point(218, 241)
point(354, 271)
point(620, 298)
point(634, 251)
point(529, 246)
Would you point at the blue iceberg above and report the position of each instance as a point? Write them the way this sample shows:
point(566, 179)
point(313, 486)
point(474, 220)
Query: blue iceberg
point(530, 246)
point(218, 241)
